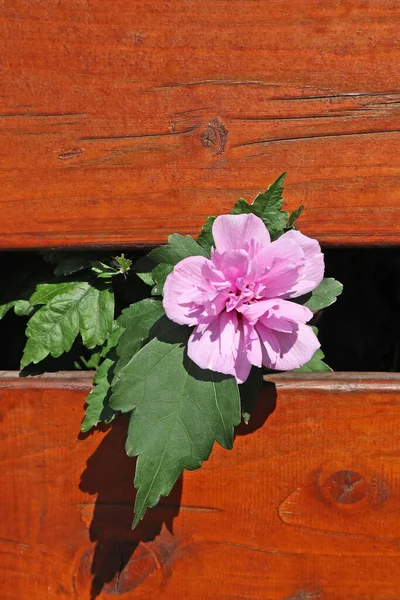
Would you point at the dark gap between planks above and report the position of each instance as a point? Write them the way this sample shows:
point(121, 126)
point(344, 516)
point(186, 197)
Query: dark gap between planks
point(360, 332)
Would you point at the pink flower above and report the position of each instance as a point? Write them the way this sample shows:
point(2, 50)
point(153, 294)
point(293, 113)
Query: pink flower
point(238, 301)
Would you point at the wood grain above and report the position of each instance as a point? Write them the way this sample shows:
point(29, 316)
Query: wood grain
point(304, 508)
point(121, 122)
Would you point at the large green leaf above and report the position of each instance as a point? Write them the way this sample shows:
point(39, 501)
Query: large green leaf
point(178, 248)
point(97, 408)
point(272, 198)
point(159, 275)
point(46, 292)
point(137, 320)
point(154, 268)
point(267, 206)
point(130, 331)
point(324, 295)
point(113, 338)
point(242, 207)
point(69, 309)
point(143, 268)
point(206, 239)
point(178, 412)
point(294, 216)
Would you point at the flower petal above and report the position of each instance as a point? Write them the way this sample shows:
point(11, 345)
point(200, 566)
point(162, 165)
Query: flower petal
point(312, 271)
point(232, 263)
point(252, 344)
point(216, 346)
point(282, 261)
point(220, 347)
point(282, 312)
point(277, 309)
point(269, 344)
point(243, 364)
point(287, 351)
point(235, 232)
point(183, 290)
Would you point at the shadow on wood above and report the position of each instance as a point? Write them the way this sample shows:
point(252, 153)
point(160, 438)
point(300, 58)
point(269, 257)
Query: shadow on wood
point(109, 473)
point(264, 406)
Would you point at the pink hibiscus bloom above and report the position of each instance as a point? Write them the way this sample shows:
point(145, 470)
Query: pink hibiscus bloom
point(238, 301)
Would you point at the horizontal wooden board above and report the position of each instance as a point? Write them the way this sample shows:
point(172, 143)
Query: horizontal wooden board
point(121, 122)
point(305, 507)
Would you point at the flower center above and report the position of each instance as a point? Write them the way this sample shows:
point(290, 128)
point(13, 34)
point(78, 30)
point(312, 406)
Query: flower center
point(242, 293)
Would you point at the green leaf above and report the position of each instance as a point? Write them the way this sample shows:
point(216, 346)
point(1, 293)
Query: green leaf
point(97, 403)
point(103, 270)
point(158, 264)
point(71, 262)
point(295, 215)
point(272, 198)
point(143, 268)
point(315, 364)
point(46, 292)
point(179, 410)
point(69, 309)
point(22, 308)
point(16, 293)
point(4, 308)
point(154, 268)
point(113, 338)
point(267, 206)
point(178, 248)
point(242, 207)
point(159, 275)
point(146, 277)
point(205, 239)
point(324, 295)
point(137, 321)
point(98, 408)
point(92, 362)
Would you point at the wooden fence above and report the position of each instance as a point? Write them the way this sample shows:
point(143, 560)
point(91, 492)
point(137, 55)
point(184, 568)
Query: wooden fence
point(125, 120)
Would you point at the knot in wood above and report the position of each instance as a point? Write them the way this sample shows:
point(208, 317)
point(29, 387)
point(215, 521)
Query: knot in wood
point(215, 136)
point(346, 487)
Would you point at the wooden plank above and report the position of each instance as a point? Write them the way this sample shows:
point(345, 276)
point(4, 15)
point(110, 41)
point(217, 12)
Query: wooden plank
point(121, 122)
point(304, 508)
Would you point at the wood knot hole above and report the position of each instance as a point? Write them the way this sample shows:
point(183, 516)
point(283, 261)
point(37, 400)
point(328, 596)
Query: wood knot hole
point(346, 487)
point(215, 136)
